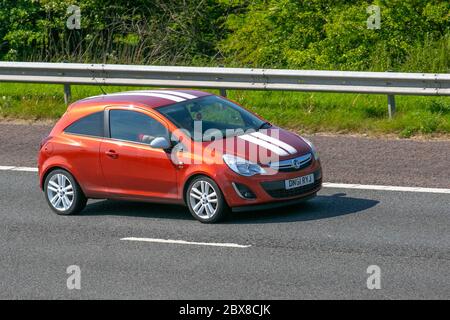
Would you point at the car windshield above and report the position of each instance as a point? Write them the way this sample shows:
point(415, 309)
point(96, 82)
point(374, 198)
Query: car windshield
point(211, 117)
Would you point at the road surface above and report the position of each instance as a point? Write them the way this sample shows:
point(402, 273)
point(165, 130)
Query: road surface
point(317, 250)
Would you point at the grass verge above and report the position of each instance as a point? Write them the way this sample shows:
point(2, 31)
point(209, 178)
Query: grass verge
point(304, 112)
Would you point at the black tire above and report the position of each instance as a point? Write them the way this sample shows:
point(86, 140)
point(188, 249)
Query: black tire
point(221, 209)
point(78, 198)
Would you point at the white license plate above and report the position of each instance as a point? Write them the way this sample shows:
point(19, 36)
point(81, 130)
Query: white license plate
point(299, 181)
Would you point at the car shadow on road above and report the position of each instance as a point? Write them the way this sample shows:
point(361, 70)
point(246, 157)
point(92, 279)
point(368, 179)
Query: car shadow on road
point(321, 207)
point(136, 209)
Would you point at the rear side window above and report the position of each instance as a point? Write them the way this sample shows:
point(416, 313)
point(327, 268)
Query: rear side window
point(91, 125)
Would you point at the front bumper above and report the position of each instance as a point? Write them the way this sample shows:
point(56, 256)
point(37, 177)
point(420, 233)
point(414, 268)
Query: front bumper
point(276, 204)
point(269, 190)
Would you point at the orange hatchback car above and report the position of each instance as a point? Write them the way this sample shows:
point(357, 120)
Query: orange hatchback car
point(174, 146)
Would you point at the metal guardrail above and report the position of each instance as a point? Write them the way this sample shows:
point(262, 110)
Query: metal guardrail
point(390, 83)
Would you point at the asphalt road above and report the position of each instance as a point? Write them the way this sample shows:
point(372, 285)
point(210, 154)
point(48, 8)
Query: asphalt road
point(320, 249)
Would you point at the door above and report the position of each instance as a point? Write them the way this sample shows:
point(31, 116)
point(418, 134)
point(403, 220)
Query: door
point(82, 141)
point(131, 167)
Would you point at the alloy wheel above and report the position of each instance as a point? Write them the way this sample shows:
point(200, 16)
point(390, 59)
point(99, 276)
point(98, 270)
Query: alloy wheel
point(60, 192)
point(203, 199)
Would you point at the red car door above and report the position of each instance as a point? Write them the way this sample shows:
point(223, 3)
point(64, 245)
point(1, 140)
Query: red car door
point(80, 145)
point(130, 166)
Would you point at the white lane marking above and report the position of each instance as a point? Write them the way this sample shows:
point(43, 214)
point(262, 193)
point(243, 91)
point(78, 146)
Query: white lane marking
point(264, 144)
point(275, 141)
point(325, 184)
point(6, 167)
point(214, 244)
point(384, 188)
point(156, 95)
point(27, 169)
point(172, 92)
point(13, 168)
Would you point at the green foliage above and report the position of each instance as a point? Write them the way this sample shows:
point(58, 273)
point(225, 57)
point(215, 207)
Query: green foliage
point(334, 35)
point(120, 31)
point(414, 36)
point(305, 34)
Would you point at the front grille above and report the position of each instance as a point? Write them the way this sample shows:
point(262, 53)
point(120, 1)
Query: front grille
point(276, 189)
point(294, 164)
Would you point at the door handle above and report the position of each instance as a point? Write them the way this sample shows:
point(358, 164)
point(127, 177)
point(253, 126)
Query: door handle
point(112, 154)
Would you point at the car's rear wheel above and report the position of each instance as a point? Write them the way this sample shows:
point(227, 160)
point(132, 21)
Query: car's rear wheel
point(205, 200)
point(63, 194)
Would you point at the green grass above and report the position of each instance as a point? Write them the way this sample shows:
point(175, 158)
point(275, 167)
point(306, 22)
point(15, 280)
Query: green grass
point(305, 112)
point(350, 113)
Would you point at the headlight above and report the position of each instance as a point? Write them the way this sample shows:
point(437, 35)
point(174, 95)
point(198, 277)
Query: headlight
point(242, 166)
point(313, 149)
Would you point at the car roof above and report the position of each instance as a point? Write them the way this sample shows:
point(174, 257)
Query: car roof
point(144, 98)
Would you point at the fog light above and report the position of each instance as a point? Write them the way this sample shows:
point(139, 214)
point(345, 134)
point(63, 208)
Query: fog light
point(318, 175)
point(243, 191)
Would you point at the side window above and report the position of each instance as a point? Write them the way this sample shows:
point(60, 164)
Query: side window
point(135, 126)
point(91, 125)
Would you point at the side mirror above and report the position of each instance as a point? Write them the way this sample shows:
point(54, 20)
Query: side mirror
point(160, 143)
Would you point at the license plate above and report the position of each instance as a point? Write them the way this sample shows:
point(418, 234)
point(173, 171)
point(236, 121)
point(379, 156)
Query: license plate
point(299, 181)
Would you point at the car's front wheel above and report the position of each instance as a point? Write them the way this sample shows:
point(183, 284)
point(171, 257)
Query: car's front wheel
point(205, 200)
point(63, 193)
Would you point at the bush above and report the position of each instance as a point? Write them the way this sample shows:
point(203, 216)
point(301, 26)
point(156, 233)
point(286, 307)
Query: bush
point(122, 31)
point(304, 34)
point(334, 35)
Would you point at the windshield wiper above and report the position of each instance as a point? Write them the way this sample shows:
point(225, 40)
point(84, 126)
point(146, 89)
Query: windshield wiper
point(264, 124)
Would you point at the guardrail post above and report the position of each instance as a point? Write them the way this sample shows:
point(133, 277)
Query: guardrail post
point(67, 93)
point(391, 105)
point(223, 92)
